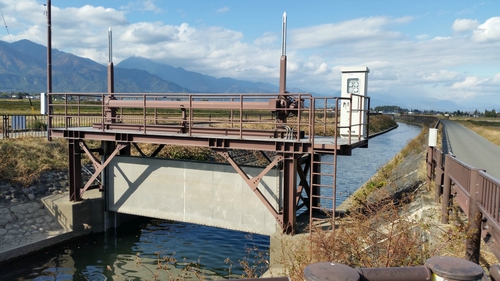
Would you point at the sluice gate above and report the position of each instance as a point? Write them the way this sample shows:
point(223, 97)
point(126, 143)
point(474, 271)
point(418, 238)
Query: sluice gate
point(291, 131)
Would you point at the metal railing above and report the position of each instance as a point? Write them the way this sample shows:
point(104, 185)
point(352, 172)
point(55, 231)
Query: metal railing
point(15, 126)
point(238, 115)
point(477, 194)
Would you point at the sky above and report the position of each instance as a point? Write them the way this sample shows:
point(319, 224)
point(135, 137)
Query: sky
point(421, 54)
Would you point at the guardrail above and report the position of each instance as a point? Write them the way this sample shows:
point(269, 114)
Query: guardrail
point(290, 116)
point(17, 126)
point(476, 193)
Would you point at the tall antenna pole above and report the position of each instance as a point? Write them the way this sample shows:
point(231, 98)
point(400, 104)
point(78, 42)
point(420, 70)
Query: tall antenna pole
point(108, 111)
point(283, 57)
point(111, 75)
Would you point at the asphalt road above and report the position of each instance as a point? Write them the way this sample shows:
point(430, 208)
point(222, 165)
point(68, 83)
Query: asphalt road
point(471, 148)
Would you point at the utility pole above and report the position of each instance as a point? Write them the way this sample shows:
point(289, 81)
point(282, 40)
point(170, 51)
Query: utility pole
point(49, 67)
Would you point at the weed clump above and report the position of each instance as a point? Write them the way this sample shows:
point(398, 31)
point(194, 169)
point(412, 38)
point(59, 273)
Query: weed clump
point(382, 235)
point(23, 160)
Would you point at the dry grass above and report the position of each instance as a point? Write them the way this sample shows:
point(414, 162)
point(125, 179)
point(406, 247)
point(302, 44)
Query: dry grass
point(488, 129)
point(385, 236)
point(381, 178)
point(23, 160)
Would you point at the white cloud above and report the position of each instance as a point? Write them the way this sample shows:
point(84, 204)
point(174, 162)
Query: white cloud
point(223, 9)
point(342, 33)
point(464, 25)
point(488, 31)
point(441, 76)
point(439, 66)
point(149, 5)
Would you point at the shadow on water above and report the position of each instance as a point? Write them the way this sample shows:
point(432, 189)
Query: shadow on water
point(133, 252)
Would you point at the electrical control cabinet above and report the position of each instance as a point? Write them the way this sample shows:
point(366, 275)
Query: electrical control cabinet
point(353, 105)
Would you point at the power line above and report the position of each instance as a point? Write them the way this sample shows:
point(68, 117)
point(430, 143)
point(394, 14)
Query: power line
point(6, 27)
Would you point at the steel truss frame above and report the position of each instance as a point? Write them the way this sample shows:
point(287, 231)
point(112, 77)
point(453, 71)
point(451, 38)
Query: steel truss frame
point(295, 169)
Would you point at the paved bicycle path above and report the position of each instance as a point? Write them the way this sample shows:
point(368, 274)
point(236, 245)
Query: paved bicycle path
point(472, 149)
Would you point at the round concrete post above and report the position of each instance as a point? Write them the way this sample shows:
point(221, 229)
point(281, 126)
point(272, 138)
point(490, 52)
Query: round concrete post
point(495, 272)
point(328, 271)
point(450, 268)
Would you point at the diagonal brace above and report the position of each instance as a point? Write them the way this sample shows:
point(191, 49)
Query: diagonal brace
point(253, 183)
point(98, 166)
point(158, 149)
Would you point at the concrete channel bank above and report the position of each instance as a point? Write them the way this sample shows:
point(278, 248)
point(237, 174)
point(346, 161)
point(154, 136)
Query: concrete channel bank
point(41, 215)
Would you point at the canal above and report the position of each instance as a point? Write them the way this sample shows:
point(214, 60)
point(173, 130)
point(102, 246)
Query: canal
point(137, 250)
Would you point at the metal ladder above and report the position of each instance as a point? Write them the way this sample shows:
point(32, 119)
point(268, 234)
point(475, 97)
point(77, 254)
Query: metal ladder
point(322, 193)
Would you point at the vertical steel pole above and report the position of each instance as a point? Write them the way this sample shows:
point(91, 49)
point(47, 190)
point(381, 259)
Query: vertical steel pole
point(289, 193)
point(438, 179)
point(283, 57)
point(111, 73)
point(75, 168)
point(49, 68)
point(473, 237)
point(430, 166)
point(445, 203)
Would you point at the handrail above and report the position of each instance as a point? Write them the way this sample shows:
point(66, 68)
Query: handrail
point(474, 190)
point(197, 113)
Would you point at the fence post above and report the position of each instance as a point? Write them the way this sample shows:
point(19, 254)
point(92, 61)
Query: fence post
point(450, 268)
point(430, 166)
point(473, 232)
point(445, 203)
point(5, 127)
point(438, 179)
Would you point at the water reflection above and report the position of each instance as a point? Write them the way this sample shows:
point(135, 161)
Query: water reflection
point(148, 250)
point(353, 171)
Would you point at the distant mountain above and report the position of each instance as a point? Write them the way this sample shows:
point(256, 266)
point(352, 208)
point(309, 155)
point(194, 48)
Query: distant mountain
point(196, 81)
point(23, 68)
point(409, 102)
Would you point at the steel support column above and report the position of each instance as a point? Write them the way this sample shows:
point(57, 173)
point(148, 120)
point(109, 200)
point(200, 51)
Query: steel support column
point(75, 170)
point(446, 197)
point(289, 192)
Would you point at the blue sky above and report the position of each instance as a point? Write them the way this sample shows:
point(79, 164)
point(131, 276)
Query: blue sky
point(421, 54)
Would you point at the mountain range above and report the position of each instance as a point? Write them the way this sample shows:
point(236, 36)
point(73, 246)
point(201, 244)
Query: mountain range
point(23, 68)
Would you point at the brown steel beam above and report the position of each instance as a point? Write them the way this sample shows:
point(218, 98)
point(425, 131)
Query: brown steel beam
point(253, 183)
point(289, 192)
point(98, 166)
point(194, 104)
point(302, 172)
point(203, 141)
point(157, 150)
point(278, 133)
point(75, 170)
